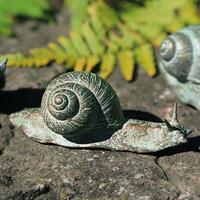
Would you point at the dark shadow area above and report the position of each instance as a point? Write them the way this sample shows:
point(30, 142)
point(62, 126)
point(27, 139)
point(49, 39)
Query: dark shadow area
point(191, 106)
point(2, 81)
point(13, 101)
point(116, 5)
point(91, 137)
point(141, 115)
point(193, 144)
point(96, 68)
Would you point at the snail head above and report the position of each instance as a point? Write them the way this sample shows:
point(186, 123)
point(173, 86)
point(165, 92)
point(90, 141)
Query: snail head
point(177, 133)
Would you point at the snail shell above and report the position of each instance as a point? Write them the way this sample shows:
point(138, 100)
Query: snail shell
point(75, 103)
point(180, 54)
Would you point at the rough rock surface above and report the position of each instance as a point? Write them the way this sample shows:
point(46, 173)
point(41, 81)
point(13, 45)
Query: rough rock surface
point(61, 173)
point(29, 170)
point(183, 170)
point(5, 132)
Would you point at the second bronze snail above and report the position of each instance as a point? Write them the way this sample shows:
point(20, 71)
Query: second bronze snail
point(179, 61)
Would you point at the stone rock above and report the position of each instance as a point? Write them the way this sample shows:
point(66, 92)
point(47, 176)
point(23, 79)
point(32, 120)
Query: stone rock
point(183, 170)
point(29, 170)
point(5, 132)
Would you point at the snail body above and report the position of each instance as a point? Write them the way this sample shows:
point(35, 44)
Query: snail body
point(78, 108)
point(179, 61)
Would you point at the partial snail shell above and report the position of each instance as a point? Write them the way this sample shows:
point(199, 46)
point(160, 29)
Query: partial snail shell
point(77, 102)
point(180, 54)
point(3, 66)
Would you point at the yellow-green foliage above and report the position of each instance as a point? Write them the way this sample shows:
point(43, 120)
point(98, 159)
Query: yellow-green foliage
point(9, 9)
point(104, 35)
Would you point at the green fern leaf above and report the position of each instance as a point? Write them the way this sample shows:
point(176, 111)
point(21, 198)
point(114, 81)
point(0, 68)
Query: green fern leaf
point(80, 8)
point(67, 46)
point(79, 43)
point(107, 65)
point(126, 61)
point(94, 44)
point(96, 22)
point(43, 56)
point(107, 15)
point(144, 57)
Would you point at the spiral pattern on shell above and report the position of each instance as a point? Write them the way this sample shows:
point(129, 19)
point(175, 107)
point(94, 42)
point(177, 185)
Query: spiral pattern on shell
point(167, 49)
point(177, 53)
point(76, 103)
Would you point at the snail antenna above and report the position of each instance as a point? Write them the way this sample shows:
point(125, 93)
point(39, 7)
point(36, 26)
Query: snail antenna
point(174, 116)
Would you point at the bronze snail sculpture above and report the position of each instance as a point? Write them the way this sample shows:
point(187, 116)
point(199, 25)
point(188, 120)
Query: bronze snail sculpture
point(81, 110)
point(180, 63)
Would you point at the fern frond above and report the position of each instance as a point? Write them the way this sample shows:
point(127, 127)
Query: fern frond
point(144, 56)
point(106, 36)
point(107, 65)
point(126, 61)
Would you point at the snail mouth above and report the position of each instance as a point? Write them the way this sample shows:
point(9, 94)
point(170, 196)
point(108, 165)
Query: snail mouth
point(167, 49)
point(187, 132)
